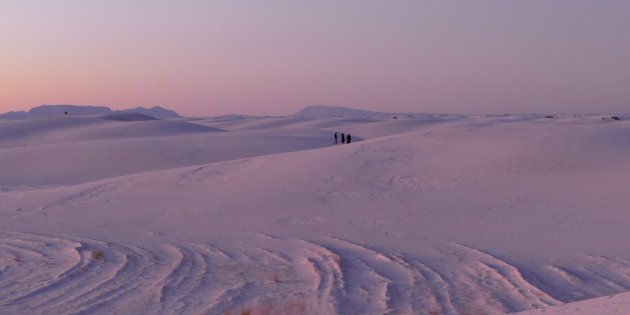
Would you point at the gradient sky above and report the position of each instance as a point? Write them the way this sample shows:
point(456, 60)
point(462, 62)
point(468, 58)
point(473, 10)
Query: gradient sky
point(215, 57)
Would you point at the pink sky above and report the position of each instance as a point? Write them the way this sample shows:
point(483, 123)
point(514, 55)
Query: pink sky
point(275, 57)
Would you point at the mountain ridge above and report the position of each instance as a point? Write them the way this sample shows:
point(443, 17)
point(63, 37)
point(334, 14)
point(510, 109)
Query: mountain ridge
point(43, 111)
point(326, 111)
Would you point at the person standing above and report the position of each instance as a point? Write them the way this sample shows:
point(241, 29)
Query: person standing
point(343, 138)
point(335, 138)
point(348, 139)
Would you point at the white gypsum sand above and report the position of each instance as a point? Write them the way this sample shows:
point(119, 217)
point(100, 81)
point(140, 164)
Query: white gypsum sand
point(449, 214)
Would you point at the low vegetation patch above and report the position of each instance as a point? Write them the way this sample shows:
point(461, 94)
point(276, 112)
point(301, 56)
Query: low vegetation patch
point(98, 255)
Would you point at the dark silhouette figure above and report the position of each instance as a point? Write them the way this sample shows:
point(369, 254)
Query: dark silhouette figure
point(335, 138)
point(348, 139)
point(343, 138)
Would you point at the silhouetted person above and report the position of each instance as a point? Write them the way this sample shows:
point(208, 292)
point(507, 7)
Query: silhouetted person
point(343, 138)
point(335, 138)
point(348, 139)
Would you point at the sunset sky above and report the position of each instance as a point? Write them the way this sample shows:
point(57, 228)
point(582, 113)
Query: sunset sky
point(211, 57)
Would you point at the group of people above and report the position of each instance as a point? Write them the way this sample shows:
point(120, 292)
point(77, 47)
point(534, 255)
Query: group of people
point(344, 138)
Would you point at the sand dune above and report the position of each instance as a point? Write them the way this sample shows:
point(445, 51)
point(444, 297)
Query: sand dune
point(449, 214)
point(50, 152)
point(47, 131)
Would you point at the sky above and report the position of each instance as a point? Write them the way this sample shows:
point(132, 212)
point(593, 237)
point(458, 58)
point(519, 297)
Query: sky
point(213, 57)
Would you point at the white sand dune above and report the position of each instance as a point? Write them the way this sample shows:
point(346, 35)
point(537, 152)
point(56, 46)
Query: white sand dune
point(434, 214)
point(70, 150)
point(285, 124)
point(609, 305)
point(48, 131)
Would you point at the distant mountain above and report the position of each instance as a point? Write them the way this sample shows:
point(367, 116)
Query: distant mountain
point(129, 117)
point(59, 110)
point(79, 110)
point(155, 112)
point(14, 115)
point(323, 111)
